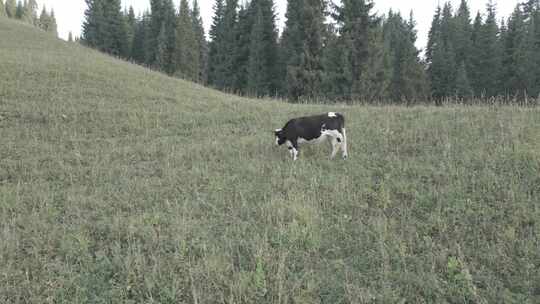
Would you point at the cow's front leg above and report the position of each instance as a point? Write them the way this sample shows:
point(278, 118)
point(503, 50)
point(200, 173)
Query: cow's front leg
point(335, 146)
point(293, 149)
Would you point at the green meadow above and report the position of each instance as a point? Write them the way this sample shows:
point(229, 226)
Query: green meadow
point(122, 185)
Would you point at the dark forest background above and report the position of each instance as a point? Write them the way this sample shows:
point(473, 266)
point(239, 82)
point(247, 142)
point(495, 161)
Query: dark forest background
point(326, 52)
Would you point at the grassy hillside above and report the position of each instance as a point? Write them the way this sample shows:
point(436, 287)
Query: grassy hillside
point(121, 185)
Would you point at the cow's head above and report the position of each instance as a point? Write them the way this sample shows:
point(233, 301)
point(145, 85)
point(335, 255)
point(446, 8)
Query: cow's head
point(280, 138)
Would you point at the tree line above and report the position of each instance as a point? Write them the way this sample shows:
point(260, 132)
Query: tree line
point(166, 39)
point(328, 52)
point(485, 57)
point(27, 11)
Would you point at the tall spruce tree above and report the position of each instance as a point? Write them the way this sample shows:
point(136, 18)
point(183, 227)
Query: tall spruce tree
point(355, 22)
point(162, 23)
point(187, 45)
point(93, 25)
point(131, 22)
point(215, 49)
point(528, 61)
point(407, 81)
point(476, 56)
point(201, 39)
point(244, 27)
point(302, 45)
point(512, 78)
point(105, 27)
point(256, 69)
point(433, 35)
point(170, 21)
point(263, 49)
point(19, 11)
point(442, 54)
point(156, 24)
point(53, 29)
point(116, 42)
point(487, 48)
point(2, 9)
point(161, 56)
point(463, 89)
point(29, 14)
point(463, 37)
point(139, 49)
point(11, 8)
point(221, 70)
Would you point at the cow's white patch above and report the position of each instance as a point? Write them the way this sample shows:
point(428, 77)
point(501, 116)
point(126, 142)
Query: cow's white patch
point(332, 134)
point(277, 141)
point(332, 114)
point(278, 130)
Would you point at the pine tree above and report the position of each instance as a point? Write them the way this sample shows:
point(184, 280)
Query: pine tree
point(434, 33)
point(115, 29)
point(93, 25)
point(256, 70)
point(131, 22)
point(2, 9)
point(355, 23)
point(443, 79)
point(336, 85)
point(463, 86)
point(187, 46)
point(516, 32)
point(33, 9)
point(19, 12)
point(44, 19)
point(29, 11)
point(169, 21)
point(163, 17)
point(53, 28)
point(442, 54)
point(489, 55)
point(47, 22)
point(161, 59)
point(260, 49)
point(528, 62)
point(476, 56)
point(139, 45)
point(11, 8)
point(156, 24)
point(407, 81)
point(215, 48)
point(223, 45)
point(244, 28)
point(303, 48)
point(291, 48)
point(201, 39)
point(463, 37)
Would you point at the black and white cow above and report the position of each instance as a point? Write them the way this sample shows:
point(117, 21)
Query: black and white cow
point(314, 129)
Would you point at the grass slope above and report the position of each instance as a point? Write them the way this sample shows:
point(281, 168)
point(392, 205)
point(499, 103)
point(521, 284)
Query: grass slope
point(121, 185)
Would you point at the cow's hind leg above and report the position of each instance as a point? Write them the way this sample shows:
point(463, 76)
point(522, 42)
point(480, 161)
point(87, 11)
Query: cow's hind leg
point(344, 144)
